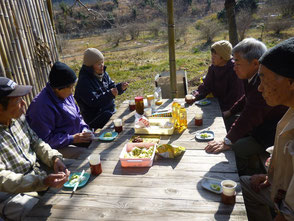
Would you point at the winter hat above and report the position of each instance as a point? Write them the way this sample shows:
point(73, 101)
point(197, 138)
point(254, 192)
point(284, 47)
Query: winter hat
point(223, 48)
point(279, 59)
point(92, 56)
point(8, 88)
point(61, 75)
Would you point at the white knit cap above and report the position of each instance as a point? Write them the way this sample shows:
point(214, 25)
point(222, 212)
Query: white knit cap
point(92, 56)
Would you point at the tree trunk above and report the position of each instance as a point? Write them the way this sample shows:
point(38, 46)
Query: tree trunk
point(230, 10)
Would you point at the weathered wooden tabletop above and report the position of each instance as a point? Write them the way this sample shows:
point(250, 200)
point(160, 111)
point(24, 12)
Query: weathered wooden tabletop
point(169, 190)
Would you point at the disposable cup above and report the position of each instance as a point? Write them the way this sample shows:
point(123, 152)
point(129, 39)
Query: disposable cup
point(118, 125)
point(229, 187)
point(95, 164)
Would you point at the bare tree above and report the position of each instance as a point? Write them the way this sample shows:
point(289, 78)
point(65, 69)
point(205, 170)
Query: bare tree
point(230, 10)
point(244, 20)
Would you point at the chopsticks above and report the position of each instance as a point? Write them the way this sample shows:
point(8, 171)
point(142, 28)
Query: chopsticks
point(211, 178)
point(79, 180)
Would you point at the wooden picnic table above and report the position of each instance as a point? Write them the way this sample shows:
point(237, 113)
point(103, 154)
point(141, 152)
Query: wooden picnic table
point(169, 190)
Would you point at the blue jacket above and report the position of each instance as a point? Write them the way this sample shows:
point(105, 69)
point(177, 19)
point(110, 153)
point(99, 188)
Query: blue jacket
point(94, 96)
point(55, 120)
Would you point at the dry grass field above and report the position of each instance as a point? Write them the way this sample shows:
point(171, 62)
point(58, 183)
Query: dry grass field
point(138, 61)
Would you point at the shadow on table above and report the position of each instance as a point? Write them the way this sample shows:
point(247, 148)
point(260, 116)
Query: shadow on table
point(161, 161)
point(224, 211)
point(119, 170)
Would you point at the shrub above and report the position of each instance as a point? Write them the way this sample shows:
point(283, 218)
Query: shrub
point(209, 28)
point(277, 24)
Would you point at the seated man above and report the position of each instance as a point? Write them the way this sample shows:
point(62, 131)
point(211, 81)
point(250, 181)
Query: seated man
point(254, 130)
point(20, 149)
point(55, 117)
point(221, 79)
point(262, 192)
point(95, 91)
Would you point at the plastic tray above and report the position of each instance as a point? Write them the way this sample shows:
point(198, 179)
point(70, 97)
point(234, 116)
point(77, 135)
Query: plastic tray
point(155, 128)
point(136, 162)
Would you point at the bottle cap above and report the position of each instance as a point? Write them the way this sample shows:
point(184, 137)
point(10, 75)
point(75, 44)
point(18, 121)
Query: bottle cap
point(138, 98)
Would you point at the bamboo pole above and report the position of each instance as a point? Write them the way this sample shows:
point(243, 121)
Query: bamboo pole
point(171, 46)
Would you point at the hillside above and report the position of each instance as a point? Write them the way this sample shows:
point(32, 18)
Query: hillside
point(137, 50)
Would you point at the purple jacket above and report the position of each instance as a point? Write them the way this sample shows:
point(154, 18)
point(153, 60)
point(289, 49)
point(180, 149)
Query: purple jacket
point(257, 118)
point(224, 84)
point(55, 120)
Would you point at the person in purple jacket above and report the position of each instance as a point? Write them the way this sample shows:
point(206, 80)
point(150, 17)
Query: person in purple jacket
point(55, 117)
point(254, 130)
point(221, 79)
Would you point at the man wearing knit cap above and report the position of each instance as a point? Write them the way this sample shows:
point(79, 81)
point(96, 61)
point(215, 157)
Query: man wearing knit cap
point(54, 115)
point(95, 91)
point(275, 190)
point(21, 155)
point(254, 130)
point(221, 79)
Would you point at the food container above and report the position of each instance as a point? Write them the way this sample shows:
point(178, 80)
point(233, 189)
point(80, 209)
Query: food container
point(156, 126)
point(136, 162)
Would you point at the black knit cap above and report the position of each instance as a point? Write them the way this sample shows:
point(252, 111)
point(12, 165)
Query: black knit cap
point(61, 75)
point(280, 59)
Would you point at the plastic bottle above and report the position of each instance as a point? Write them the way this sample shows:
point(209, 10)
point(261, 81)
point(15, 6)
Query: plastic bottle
point(175, 113)
point(183, 117)
point(158, 96)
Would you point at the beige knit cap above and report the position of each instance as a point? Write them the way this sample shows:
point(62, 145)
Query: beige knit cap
point(223, 48)
point(92, 56)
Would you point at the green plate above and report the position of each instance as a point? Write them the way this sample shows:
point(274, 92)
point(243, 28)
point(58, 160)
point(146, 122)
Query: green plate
point(203, 102)
point(113, 136)
point(81, 184)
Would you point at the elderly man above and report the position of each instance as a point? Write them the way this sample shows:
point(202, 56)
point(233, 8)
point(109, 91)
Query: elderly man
point(254, 130)
point(277, 189)
point(95, 91)
point(20, 172)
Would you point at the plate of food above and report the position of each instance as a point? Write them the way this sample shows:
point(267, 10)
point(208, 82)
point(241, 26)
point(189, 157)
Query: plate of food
point(205, 135)
point(203, 102)
point(108, 136)
point(212, 185)
point(73, 179)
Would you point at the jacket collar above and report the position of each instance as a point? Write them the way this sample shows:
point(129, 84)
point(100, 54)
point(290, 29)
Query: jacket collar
point(288, 121)
point(51, 93)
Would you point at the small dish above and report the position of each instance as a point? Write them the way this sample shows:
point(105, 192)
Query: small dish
point(110, 138)
point(81, 184)
point(207, 184)
point(203, 102)
point(205, 135)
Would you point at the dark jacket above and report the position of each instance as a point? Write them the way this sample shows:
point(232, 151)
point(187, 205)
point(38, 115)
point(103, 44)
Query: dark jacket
point(257, 118)
point(224, 84)
point(94, 96)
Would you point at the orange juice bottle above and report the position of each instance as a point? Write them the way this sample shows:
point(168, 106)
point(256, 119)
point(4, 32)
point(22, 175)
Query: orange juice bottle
point(175, 113)
point(183, 118)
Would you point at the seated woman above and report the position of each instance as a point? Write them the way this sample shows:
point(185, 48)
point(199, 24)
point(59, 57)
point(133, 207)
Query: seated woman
point(55, 117)
point(95, 91)
point(221, 79)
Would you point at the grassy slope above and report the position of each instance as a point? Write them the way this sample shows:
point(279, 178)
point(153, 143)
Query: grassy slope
point(138, 61)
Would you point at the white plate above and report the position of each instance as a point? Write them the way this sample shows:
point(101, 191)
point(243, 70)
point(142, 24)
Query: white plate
point(207, 182)
point(209, 133)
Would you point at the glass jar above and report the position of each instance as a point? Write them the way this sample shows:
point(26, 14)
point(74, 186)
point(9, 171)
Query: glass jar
point(139, 105)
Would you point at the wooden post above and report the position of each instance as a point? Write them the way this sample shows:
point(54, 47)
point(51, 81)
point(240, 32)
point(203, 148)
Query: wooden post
point(171, 46)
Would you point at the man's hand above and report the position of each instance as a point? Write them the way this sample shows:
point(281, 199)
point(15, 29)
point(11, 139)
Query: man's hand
point(124, 85)
point(84, 137)
point(259, 181)
point(59, 166)
point(55, 180)
point(216, 147)
point(227, 114)
point(114, 91)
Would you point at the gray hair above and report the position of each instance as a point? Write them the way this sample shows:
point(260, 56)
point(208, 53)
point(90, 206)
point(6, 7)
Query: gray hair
point(250, 49)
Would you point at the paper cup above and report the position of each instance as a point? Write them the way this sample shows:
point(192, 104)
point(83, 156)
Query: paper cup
point(229, 187)
point(95, 164)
